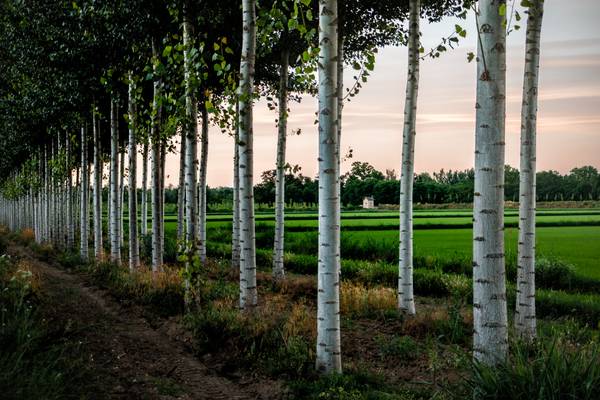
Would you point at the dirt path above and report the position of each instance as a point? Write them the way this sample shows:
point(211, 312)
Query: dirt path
point(129, 358)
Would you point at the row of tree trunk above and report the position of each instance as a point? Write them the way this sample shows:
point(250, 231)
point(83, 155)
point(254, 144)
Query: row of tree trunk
point(490, 342)
point(51, 209)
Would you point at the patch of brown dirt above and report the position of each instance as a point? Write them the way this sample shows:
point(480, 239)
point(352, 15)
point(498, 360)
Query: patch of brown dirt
point(128, 357)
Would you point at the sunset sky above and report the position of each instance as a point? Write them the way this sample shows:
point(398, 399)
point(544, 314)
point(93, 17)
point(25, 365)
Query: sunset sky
point(569, 105)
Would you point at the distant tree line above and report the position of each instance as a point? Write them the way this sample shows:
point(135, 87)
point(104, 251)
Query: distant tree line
point(450, 186)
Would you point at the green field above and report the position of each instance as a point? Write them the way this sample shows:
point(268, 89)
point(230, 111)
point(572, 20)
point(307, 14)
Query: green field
point(422, 222)
point(571, 235)
point(579, 246)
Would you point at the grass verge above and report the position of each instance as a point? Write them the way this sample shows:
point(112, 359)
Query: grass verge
point(37, 361)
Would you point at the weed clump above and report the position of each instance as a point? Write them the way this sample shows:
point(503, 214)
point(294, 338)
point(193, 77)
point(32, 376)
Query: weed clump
point(551, 370)
point(275, 337)
point(161, 291)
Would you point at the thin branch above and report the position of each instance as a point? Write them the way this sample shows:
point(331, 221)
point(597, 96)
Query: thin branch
point(479, 39)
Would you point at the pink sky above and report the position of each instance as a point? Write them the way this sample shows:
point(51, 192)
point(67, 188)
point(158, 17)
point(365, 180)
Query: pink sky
point(569, 105)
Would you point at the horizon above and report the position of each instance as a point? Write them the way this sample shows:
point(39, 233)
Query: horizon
point(174, 185)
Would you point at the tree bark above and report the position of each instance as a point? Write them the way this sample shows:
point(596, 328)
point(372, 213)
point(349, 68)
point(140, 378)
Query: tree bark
point(47, 200)
point(490, 341)
point(115, 243)
point(84, 214)
point(156, 171)
point(144, 193)
point(235, 234)
point(525, 319)
point(202, 185)
point(248, 290)
point(134, 247)
point(191, 149)
point(97, 188)
point(181, 189)
point(328, 358)
point(69, 196)
point(161, 220)
point(278, 266)
point(406, 301)
point(121, 196)
point(77, 199)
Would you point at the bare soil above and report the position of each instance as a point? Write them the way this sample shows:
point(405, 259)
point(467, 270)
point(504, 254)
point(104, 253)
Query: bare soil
point(128, 355)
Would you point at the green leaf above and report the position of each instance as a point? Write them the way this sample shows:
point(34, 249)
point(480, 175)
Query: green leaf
point(470, 56)
point(167, 50)
point(292, 24)
point(502, 9)
point(210, 107)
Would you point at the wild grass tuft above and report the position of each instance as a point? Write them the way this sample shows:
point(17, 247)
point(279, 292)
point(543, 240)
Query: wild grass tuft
point(550, 370)
point(161, 291)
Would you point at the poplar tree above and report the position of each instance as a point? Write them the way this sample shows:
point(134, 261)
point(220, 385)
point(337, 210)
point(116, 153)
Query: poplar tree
point(406, 301)
point(328, 305)
point(248, 290)
point(525, 318)
point(490, 336)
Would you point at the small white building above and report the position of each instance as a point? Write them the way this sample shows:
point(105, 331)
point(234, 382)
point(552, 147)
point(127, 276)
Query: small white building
point(368, 202)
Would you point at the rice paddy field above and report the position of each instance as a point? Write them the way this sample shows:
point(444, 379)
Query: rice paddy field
point(570, 235)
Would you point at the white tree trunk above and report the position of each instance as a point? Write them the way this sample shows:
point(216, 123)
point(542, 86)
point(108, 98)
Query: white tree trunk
point(161, 221)
point(202, 186)
point(155, 202)
point(69, 197)
point(77, 199)
point(46, 196)
point(115, 243)
point(406, 301)
point(156, 173)
point(181, 189)
point(134, 247)
point(121, 197)
point(328, 305)
point(84, 215)
point(278, 267)
point(97, 188)
point(248, 290)
point(52, 197)
point(340, 109)
point(53, 224)
point(191, 148)
point(144, 200)
point(490, 341)
point(525, 320)
point(235, 234)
